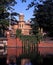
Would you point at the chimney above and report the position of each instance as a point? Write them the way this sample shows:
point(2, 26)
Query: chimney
point(21, 17)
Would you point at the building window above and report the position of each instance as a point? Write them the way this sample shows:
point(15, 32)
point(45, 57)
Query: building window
point(22, 25)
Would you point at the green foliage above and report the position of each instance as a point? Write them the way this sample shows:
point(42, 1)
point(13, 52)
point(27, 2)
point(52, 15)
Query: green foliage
point(5, 5)
point(33, 3)
point(18, 33)
point(35, 28)
point(29, 38)
point(43, 16)
point(4, 22)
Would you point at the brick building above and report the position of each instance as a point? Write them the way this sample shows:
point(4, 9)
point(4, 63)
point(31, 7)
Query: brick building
point(22, 25)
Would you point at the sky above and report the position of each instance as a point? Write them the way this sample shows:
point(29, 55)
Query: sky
point(21, 8)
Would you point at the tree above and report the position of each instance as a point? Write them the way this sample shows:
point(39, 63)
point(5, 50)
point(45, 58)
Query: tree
point(44, 16)
point(5, 5)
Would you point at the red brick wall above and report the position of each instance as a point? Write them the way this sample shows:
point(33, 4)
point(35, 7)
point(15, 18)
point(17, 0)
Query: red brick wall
point(14, 46)
point(45, 48)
